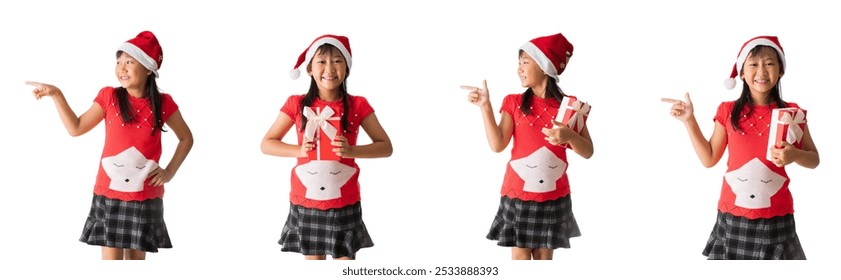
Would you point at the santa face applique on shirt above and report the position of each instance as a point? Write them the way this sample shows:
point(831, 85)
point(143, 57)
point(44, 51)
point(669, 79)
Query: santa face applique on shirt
point(540, 170)
point(324, 178)
point(754, 184)
point(128, 170)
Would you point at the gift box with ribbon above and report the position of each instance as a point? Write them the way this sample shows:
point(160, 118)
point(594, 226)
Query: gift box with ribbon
point(787, 124)
point(573, 113)
point(322, 127)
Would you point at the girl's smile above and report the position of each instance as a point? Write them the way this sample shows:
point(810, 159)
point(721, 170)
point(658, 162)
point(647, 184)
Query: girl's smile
point(329, 70)
point(131, 74)
point(761, 72)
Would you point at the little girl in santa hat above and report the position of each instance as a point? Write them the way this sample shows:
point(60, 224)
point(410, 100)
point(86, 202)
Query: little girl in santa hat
point(535, 211)
point(126, 216)
point(325, 213)
point(755, 210)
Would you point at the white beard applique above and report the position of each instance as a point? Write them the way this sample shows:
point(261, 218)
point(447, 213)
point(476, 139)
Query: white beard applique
point(324, 178)
point(754, 184)
point(540, 170)
point(128, 170)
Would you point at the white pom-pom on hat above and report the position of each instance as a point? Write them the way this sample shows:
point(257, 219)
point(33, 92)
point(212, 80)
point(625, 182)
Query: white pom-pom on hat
point(730, 83)
point(294, 73)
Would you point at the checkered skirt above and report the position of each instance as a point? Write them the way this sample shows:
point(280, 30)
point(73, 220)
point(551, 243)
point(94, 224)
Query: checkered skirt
point(531, 224)
point(740, 238)
point(135, 225)
point(336, 232)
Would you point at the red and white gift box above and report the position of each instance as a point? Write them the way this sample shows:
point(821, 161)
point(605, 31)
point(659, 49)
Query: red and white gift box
point(787, 124)
point(573, 113)
point(322, 128)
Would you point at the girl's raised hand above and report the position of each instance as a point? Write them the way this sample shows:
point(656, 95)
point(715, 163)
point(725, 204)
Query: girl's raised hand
point(478, 96)
point(42, 90)
point(681, 110)
point(559, 134)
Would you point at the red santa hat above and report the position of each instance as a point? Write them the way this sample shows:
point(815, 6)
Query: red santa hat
point(770, 41)
point(340, 42)
point(146, 50)
point(550, 52)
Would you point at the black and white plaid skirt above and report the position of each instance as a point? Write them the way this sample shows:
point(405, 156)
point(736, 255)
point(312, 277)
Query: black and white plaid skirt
point(135, 225)
point(740, 238)
point(531, 224)
point(335, 232)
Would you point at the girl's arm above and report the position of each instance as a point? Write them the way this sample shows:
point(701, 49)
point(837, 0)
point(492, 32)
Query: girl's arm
point(807, 156)
point(272, 143)
point(380, 143)
point(562, 134)
point(708, 151)
point(498, 135)
point(185, 143)
point(75, 125)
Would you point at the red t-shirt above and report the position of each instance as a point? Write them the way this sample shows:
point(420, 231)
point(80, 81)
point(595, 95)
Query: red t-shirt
point(753, 187)
point(131, 150)
point(327, 184)
point(537, 169)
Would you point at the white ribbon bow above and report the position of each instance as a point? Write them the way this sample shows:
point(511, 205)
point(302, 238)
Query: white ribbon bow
point(576, 121)
point(795, 133)
point(320, 119)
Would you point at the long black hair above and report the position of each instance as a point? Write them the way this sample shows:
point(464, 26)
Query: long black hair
point(745, 99)
point(312, 93)
point(154, 95)
point(552, 90)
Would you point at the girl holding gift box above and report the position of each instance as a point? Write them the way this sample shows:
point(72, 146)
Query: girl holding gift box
point(325, 214)
point(535, 212)
point(755, 210)
point(126, 216)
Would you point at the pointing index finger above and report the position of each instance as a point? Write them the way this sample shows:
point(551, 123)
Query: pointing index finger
point(470, 88)
point(36, 84)
point(669, 100)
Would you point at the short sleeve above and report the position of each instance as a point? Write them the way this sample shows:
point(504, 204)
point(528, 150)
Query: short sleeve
point(105, 97)
point(510, 103)
point(722, 115)
point(292, 107)
point(168, 106)
point(361, 107)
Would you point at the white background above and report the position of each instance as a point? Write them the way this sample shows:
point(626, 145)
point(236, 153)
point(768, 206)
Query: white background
point(643, 201)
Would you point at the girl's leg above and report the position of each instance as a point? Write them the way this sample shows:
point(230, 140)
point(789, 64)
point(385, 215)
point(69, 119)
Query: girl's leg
point(111, 253)
point(315, 257)
point(518, 253)
point(343, 259)
point(542, 254)
point(132, 254)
